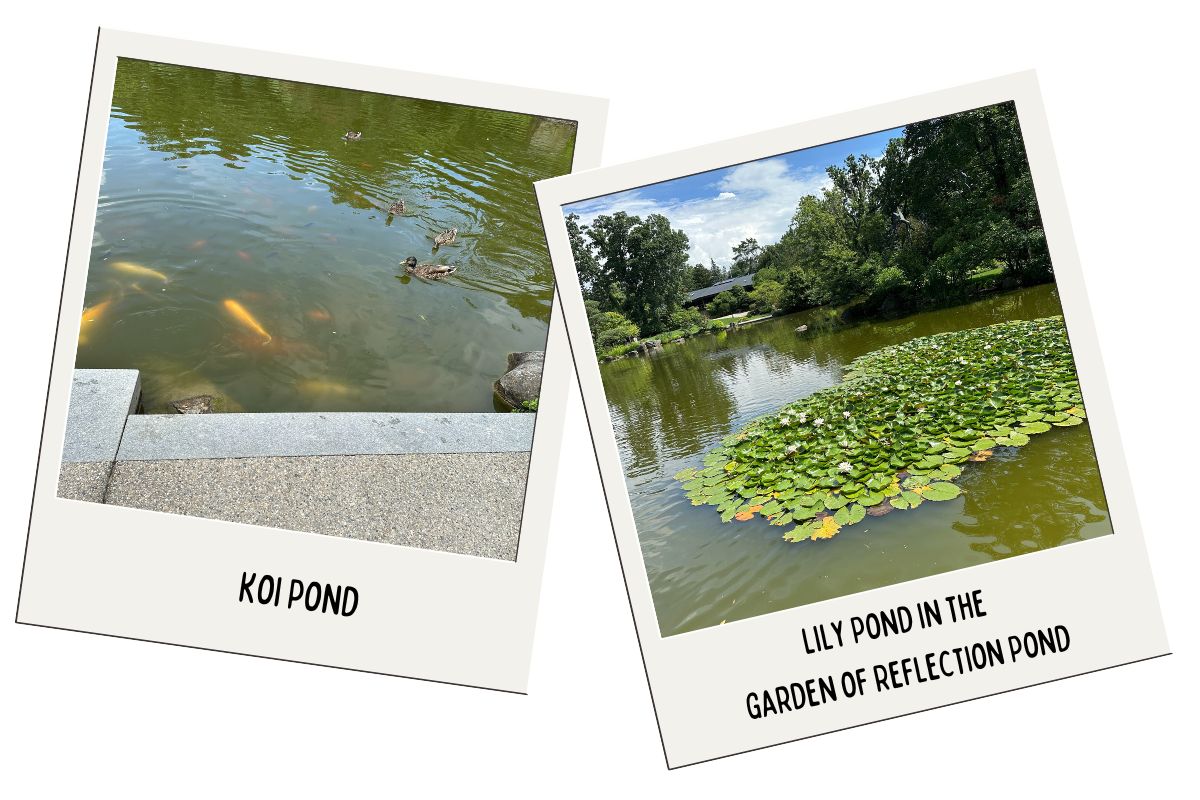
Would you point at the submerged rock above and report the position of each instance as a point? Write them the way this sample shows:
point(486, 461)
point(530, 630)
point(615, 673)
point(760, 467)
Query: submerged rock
point(523, 381)
point(200, 404)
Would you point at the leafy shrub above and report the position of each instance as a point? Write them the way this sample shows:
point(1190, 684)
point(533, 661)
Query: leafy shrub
point(730, 301)
point(610, 329)
point(685, 319)
point(888, 280)
point(767, 296)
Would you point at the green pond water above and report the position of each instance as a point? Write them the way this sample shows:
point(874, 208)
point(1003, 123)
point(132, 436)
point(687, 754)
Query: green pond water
point(231, 187)
point(671, 408)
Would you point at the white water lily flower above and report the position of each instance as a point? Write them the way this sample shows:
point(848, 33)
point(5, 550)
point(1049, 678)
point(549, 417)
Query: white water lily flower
point(958, 383)
point(846, 414)
point(819, 421)
point(845, 466)
point(783, 421)
point(792, 448)
point(802, 419)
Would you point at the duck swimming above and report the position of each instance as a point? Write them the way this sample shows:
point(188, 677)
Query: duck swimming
point(397, 208)
point(430, 271)
point(445, 237)
point(352, 136)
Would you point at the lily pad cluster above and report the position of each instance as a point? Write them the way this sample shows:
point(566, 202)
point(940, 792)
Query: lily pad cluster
point(895, 432)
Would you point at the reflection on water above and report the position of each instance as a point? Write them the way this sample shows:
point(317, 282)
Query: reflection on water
point(232, 187)
point(669, 409)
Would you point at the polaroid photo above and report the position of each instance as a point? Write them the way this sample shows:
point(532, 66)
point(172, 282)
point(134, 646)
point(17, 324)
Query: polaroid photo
point(848, 408)
point(296, 405)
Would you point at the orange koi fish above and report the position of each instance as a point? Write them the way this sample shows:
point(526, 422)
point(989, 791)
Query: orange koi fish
point(244, 256)
point(239, 312)
point(90, 315)
point(319, 314)
point(130, 268)
point(199, 243)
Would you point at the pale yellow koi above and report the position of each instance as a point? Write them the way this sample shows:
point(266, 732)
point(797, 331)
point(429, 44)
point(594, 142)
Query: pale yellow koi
point(131, 268)
point(243, 316)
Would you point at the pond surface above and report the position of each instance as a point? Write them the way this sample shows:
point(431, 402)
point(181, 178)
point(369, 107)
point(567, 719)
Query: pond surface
point(671, 408)
point(220, 187)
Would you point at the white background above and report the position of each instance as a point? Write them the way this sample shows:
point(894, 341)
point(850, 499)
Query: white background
point(88, 714)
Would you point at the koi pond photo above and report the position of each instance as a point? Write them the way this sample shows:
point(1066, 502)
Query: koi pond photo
point(837, 369)
point(314, 308)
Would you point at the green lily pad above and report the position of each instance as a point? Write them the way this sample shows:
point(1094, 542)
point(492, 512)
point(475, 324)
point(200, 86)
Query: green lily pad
point(942, 491)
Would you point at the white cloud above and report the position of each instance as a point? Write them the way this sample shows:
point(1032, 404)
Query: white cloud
point(756, 200)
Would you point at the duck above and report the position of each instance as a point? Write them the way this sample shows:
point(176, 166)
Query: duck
point(397, 208)
point(432, 271)
point(445, 237)
point(352, 136)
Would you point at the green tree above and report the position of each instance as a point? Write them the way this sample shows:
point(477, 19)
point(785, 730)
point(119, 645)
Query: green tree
point(646, 261)
point(585, 260)
point(856, 186)
point(745, 257)
point(700, 277)
point(964, 178)
point(820, 242)
point(715, 272)
point(795, 295)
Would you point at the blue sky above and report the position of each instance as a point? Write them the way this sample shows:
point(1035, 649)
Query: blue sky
point(719, 208)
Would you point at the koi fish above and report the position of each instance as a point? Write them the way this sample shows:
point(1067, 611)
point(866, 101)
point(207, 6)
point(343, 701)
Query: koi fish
point(244, 256)
point(91, 314)
point(239, 312)
point(131, 268)
point(324, 387)
point(319, 314)
point(94, 313)
point(199, 243)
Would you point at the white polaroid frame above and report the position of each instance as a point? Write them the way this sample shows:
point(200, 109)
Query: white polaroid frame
point(175, 579)
point(1101, 590)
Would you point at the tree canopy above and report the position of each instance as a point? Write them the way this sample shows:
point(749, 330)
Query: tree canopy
point(635, 267)
point(948, 204)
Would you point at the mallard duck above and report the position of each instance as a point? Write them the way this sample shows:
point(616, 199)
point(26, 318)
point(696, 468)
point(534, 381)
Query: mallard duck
point(352, 136)
point(431, 271)
point(397, 208)
point(445, 237)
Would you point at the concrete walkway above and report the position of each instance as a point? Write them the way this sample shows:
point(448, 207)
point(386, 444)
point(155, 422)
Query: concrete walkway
point(453, 482)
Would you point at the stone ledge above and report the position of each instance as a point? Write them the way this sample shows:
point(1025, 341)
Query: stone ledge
point(101, 400)
point(158, 437)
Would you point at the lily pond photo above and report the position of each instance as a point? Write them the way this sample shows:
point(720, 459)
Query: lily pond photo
point(284, 272)
point(837, 369)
